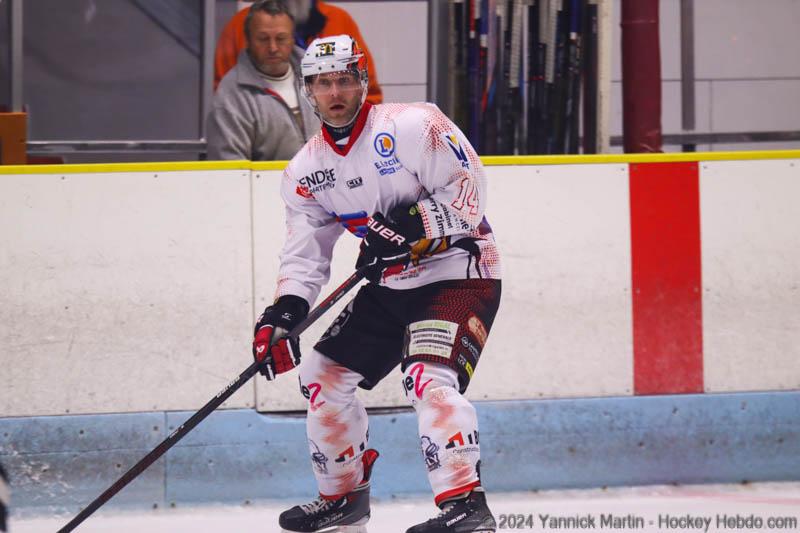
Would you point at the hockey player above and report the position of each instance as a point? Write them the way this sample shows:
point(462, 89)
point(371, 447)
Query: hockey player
point(404, 179)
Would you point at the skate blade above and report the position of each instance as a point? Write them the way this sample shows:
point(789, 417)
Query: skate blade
point(359, 526)
point(352, 528)
point(355, 527)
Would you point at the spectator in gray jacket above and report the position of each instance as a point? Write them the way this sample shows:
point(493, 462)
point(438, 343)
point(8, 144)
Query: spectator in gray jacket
point(258, 111)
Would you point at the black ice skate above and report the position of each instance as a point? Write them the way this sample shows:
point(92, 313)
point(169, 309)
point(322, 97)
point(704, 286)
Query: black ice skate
point(466, 515)
point(320, 515)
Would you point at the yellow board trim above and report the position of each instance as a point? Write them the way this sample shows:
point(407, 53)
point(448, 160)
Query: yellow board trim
point(269, 165)
point(95, 168)
point(502, 160)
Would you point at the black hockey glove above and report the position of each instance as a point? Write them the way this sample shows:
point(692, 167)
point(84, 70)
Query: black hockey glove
point(388, 240)
point(270, 344)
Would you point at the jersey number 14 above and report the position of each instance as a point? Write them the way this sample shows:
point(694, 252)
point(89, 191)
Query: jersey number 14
point(468, 195)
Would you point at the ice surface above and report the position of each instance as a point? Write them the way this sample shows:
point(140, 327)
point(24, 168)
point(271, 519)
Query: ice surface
point(664, 509)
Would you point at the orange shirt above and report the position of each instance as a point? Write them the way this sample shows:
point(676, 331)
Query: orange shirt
point(338, 21)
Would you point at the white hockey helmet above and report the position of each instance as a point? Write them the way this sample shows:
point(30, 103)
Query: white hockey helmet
point(337, 53)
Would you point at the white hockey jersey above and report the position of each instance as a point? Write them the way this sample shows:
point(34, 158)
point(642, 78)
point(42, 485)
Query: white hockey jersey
point(397, 154)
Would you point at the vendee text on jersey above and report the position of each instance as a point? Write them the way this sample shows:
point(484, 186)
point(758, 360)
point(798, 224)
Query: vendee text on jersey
point(319, 180)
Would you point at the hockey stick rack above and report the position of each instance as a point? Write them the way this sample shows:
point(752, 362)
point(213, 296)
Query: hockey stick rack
point(208, 408)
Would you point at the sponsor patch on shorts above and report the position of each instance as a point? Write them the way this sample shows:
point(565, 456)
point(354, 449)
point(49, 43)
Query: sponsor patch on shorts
point(432, 337)
point(477, 328)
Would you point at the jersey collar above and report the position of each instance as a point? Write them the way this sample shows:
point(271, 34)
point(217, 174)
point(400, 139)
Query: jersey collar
point(361, 121)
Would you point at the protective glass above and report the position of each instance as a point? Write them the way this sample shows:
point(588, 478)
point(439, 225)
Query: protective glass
point(323, 84)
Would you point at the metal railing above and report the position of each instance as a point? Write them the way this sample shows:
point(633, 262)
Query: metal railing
point(106, 147)
point(736, 137)
point(199, 146)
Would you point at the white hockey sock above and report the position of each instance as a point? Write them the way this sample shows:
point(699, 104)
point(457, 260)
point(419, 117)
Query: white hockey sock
point(336, 424)
point(448, 429)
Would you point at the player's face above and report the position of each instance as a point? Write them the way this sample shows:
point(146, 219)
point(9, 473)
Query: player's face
point(271, 42)
point(338, 96)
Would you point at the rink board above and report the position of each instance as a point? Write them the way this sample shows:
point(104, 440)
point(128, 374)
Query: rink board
point(129, 292)
point(144, 280)
point(123, 291)
point(751, 275)
point(239, 456)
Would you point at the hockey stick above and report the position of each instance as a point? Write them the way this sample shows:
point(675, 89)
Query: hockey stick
point(459, 89)
point(573, 83)
point(208, 408)
point(559, 78)
point(474, 90)
point(546, 78)
point(536, 76)
point(590, 86)
point(490, 101)
point(486, 21)
point(513, 113)
point(503, 51)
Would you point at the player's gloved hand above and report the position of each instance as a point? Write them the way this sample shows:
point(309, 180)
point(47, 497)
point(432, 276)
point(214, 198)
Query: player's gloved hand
point(388, 240)
point(271, 343)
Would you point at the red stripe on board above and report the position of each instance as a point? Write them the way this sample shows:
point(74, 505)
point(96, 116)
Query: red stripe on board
point(667, 299)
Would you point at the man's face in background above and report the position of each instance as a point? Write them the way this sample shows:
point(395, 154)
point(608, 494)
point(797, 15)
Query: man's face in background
point(271, 42)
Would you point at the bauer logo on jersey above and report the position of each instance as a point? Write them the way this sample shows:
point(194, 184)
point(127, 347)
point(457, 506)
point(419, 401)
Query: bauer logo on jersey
point(384, 144)
point(458, 150)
